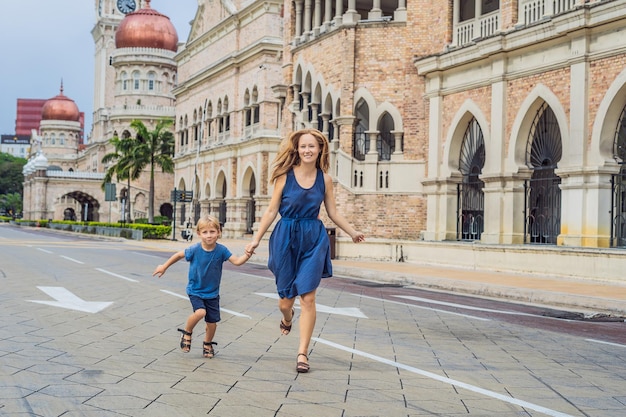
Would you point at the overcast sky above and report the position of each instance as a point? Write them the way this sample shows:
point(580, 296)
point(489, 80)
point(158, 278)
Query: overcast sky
point(46, 41)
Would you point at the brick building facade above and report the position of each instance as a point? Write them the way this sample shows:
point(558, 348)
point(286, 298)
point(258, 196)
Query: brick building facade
point(498, 122)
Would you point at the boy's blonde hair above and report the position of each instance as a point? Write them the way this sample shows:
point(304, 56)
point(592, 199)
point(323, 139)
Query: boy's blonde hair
point(209, 221)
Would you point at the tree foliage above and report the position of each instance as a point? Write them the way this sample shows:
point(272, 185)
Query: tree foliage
point(11, 177)
point(155, 149)
point(147, 150)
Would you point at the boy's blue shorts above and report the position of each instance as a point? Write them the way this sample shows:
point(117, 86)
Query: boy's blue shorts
point(210, 305)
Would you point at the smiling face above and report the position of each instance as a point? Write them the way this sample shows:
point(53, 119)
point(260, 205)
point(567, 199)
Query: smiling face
point(208, 235)
point(308, 149)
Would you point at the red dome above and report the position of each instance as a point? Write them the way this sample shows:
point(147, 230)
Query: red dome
point(60, 108)
point(146, 28)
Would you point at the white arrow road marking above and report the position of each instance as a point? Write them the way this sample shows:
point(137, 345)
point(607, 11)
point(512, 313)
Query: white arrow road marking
point(65, 299)
point(344, 311)
point(234, 313)
point(116, 275)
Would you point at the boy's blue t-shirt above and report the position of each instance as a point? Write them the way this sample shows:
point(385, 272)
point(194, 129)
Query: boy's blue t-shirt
point(205, 269)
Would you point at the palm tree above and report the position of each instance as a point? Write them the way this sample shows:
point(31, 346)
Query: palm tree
point(154, 148)
point(124, 167)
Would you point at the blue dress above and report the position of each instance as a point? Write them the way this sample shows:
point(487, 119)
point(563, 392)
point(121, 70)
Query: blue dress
point(299, 249)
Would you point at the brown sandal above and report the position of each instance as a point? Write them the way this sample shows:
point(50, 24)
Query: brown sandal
point(185, 344)
point(302, 367)
point(207, 349)
point(284, 329)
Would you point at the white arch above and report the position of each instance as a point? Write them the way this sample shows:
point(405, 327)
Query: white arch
point(364, 94)
point(454, 138)
point(387, 107)
point(247, 171)
point(607, 117)
point(516, 157)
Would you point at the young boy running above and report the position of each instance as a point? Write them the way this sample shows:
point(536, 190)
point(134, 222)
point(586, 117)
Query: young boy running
point(205, 274)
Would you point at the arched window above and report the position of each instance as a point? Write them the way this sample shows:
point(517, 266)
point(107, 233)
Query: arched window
point(543, 194)
point(136, 80)
point(247, 117)
point(360, 142)
point(385, 143)
point(151, 81)
point(124, 78)
point(471, 200)
point(618, 208)
point(255, 106)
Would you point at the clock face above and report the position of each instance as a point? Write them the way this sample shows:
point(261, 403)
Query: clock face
point(126, 6)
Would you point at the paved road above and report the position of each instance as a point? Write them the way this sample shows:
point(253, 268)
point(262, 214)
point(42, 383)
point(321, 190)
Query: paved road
point(374, 353)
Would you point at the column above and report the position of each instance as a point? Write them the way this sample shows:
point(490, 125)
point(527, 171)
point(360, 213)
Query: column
point(579, 222)
point(338, 12)
point(397, 154)
point(351, 16)
point(314, 113)
point(298, 19)
point(307, 19)
point(317, 17)
point(399, 15)
point(328, 5)
point(324, 129)
point(375, 12)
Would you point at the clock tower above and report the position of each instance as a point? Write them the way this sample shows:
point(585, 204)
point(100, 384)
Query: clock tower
point(109, 15)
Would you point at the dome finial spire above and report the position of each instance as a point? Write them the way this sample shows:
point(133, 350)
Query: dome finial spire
point(61, 90)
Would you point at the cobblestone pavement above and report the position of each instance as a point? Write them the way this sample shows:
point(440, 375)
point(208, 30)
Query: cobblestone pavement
point(369, 356)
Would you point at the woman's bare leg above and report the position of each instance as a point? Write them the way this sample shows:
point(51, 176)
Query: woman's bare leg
point(307, 323)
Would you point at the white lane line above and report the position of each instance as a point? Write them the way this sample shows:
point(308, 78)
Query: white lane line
point(234, 313)
point(44, 250)
point(422, 307)
point(459, 384)
point(605, 343)
point(72, 259)
point(465, 307)
point(116, 275)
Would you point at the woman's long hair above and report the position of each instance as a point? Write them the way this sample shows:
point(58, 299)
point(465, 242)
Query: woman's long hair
point(288, 156)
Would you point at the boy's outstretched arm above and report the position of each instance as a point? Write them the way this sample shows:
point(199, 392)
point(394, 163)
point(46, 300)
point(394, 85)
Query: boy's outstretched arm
point(239, 260)
point(160, 270)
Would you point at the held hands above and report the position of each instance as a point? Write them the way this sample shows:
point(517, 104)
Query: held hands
point(250, 247)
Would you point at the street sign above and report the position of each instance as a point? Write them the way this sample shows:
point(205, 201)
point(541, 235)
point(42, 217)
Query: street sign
point(181, 196)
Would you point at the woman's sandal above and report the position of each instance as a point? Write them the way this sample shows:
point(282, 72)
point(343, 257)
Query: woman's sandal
point(185, 344)
point(207, 349)
point(284, 329)
point(302, 367)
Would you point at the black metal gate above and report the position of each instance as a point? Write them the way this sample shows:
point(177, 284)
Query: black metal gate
point(542, 208)
point(470, 210)
point(618, 210)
